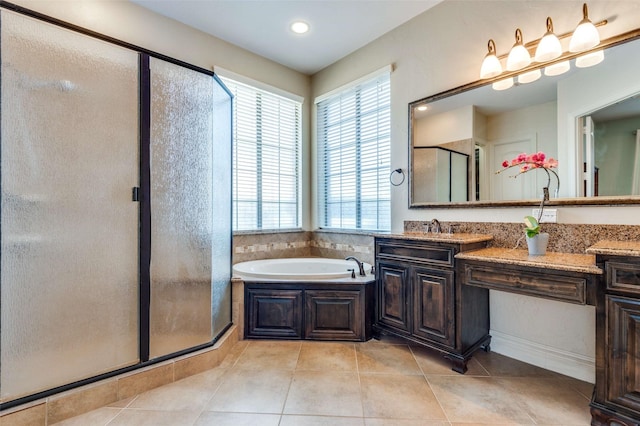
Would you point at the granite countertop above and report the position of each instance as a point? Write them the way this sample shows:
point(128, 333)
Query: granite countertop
point(459, 238)
point(619, 248)
point(552, 260)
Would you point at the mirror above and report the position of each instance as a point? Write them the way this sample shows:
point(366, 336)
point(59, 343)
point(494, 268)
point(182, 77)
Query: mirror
point(588, 119)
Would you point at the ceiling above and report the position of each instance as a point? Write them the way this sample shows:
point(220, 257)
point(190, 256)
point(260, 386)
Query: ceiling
point(338, 27)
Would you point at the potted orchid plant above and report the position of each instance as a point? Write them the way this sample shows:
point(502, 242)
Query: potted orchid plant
point(536, 241)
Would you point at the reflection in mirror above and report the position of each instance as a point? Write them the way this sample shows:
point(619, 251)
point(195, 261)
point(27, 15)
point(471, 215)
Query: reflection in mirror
point(611, 143)
point(547, 115)
point(447, 172)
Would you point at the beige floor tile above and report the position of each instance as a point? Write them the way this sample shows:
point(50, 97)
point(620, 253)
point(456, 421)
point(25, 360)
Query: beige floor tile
point(399, 397)
point(288, 420)
point(123, 403)
point(551, 401)
point(131, 417)
point(99, 417)
point(267, 354)
point(501, 366)
point(327, 356)
point(585, 388)
point(405, 422)
point(252, 391)
point(478, 399)
point(432, 363)
point(189, 394)
point(210, 418)
point(386, 359)
point(324, 393)
point(487, 424)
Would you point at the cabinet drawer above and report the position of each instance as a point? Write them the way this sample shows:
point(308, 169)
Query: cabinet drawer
point(624, 277)
point(545, 284)
point(427, 254)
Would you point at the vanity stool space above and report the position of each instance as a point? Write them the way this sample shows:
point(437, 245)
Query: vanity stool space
point(616, 398)
point(419, 299)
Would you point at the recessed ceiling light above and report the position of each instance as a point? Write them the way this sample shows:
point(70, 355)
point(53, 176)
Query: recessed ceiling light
point(299, 27)
point(422, 108)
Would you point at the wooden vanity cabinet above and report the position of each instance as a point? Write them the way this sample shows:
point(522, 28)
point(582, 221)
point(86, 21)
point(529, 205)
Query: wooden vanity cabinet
point(311, 311)
point(419, 300)
point(616, 399)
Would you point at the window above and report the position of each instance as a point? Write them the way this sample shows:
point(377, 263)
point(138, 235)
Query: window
point(266, 159)
point(354, 155)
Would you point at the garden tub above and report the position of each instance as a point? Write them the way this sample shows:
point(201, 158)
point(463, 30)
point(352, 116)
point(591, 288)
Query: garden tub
point(299, 269)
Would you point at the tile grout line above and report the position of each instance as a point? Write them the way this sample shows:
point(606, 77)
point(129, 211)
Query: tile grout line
point(426, 379)
point(293, 375)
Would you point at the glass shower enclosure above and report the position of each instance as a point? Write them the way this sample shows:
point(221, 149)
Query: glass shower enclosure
point(115, 232)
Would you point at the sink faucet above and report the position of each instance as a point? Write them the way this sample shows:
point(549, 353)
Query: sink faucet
point(435, 226)
point(360, 266)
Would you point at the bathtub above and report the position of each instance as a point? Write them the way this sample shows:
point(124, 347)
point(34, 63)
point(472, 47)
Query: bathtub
point(299, 269)
point(306, 298)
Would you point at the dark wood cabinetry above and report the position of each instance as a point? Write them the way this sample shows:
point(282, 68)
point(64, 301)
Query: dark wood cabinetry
point(616, 399)
point(313, 311)
point(419, 299)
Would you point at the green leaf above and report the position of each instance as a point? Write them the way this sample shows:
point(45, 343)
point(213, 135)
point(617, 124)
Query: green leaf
point(533, 228)
point(531, 222)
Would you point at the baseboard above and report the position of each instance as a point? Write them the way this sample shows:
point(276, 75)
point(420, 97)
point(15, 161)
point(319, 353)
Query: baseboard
point(570, 364)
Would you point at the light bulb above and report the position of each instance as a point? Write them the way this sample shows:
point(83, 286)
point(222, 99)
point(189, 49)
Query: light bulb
point(549, 46)
point(491, 66)
point(557, 69)
point(519, 56)
point(503, 84)
point(530, 76)
point(590, 59)
point(585, 35)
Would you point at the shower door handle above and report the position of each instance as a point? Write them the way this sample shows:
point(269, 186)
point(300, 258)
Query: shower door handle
point(135, 194)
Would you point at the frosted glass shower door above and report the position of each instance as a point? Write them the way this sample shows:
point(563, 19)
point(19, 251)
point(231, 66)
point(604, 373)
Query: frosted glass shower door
point(181, 152)
point(69, 229)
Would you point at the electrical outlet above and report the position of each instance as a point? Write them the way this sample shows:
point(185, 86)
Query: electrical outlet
point(548, 215)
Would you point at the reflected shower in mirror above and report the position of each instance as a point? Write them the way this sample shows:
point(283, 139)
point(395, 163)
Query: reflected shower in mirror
point(547, 115)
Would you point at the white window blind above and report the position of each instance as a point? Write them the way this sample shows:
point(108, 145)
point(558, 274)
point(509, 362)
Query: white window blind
point(354, 156)
point(266, 159)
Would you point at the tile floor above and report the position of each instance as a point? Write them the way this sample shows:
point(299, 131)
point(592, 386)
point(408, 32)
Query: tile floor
point(374, 384)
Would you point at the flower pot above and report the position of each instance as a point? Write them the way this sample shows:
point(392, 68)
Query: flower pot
point(538, 245)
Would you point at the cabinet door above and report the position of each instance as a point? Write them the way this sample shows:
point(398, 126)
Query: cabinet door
point(623, 352)
point(433, 305)
point(393, 296)
point(334, 315)
point(273, 313)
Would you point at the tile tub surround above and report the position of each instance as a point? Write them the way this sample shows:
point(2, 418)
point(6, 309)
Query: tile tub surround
point(320, 243)
point(115, 391)
point(563, 237)
point(371, 383)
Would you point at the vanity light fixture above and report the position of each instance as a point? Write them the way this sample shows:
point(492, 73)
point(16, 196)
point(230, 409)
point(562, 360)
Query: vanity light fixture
point(299, 27)
point(519, 56)
point(491, 66)
point(585, 35)
point(549, 47)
